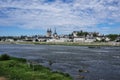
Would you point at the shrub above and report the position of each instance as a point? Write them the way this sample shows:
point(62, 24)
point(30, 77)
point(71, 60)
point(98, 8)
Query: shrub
point(4, 57)
point(18, 59)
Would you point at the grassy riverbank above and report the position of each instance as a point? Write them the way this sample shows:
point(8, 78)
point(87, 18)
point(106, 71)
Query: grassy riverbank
point(74, 43)
point(17, 69)
point(68, 43)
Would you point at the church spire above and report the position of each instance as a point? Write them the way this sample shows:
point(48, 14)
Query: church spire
point(55, 31)
point(50, 30)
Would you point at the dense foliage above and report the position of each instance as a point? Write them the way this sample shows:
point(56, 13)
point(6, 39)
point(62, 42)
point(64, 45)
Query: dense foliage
point(113, 36)
point(4, 57)
point(81, 33)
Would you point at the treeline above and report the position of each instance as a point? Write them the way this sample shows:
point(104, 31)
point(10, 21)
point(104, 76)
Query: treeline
point(83, 33)
point(113, 37)
point(12, 37)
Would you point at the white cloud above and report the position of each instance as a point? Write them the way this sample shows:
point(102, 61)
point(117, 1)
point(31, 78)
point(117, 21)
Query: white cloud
point(78, 14)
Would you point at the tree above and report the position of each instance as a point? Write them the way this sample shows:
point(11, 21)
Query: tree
point(4, 57)
point(112, 36)
point(81, 33)
point(95, 34)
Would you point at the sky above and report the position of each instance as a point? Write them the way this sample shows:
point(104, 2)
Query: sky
point(34, 17)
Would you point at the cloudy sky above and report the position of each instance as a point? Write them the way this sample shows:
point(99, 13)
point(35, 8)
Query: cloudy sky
point(30, 17)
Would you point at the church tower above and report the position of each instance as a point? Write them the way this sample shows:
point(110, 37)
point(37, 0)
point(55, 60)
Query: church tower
point(49, 33)
point(55, 34)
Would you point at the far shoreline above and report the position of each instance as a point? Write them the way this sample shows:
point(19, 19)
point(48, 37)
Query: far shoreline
point(108, 44)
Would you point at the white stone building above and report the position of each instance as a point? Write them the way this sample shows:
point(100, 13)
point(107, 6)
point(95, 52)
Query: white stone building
point(79, 39)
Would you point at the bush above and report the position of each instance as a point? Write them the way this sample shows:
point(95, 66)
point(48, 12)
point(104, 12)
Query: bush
point(18, 59)
point(4, 57)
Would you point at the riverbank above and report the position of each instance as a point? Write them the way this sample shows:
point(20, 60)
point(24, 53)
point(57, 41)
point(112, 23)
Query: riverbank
point(80, 43)
point(68, 43)
point(17, 69)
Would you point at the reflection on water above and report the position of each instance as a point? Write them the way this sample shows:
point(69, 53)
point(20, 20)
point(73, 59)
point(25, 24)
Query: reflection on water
point(102, 63)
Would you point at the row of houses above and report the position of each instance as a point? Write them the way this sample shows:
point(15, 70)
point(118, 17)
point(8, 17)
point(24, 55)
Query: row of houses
point(54, 37)
point(60, 39)
point(89, 37)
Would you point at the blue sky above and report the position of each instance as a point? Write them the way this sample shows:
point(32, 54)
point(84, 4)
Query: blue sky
point(33, 17)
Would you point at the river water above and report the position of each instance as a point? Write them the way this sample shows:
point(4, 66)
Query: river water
point(99, 63)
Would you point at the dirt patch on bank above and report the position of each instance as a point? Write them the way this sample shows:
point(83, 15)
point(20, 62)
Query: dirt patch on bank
point(3, 78)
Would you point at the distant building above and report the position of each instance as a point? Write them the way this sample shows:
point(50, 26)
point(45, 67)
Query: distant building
point(117, 39)
point(98, 38)
point(9, 40)
point(102, 38)
point(43, 39)
point(79, 39)
point(55, 35)
point(75, 33)
point(49, 33)
point(107, 39)
point(90, 40)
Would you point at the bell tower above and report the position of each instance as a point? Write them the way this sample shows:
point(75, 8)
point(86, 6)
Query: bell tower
point(49, 33)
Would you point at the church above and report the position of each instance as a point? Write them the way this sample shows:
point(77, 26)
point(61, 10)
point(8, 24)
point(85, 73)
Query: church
point(54, 35)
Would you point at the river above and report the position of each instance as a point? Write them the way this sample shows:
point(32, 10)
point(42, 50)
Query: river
point(99, 63)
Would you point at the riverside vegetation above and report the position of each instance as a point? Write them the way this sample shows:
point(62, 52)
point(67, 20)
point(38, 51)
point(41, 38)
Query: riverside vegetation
point(17, 69)
point(68, 43)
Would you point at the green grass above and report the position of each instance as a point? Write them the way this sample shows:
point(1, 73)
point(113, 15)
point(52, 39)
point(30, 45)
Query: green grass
point(17, 69)
point(72, 43)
